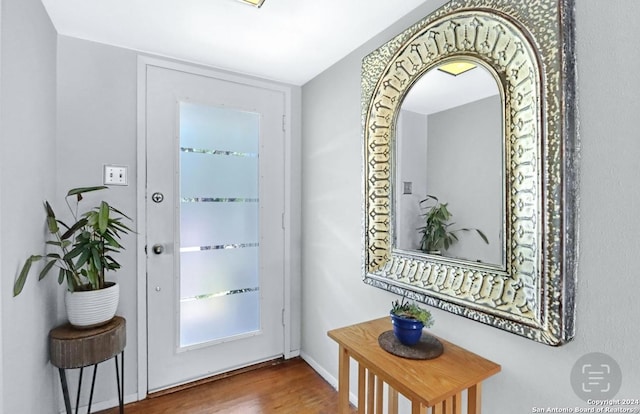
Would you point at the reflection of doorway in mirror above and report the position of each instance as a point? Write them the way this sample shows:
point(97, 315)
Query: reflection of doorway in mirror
point(411, 154)
point(450, 145)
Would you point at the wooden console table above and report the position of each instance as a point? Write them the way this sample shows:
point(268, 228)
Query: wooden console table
point(78, 348)
point(437, 383)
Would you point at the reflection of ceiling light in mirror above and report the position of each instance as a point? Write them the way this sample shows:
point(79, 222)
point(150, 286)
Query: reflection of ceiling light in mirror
point(456, 68)
point(256, 3)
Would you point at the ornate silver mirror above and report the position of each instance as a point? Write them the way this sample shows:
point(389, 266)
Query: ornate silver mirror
point(492, 141)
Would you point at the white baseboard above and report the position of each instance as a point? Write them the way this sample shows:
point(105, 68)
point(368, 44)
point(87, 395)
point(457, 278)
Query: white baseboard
point(320, 370)
point(333, 381)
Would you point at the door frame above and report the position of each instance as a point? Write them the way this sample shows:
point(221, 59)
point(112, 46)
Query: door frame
point(290, 220)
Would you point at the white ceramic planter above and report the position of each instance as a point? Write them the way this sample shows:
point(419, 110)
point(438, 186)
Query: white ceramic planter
point(88, 309)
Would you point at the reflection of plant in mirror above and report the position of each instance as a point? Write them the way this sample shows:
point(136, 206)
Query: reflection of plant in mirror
point(436, 233)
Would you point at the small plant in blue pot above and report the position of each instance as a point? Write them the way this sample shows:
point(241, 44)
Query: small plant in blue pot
point(408, 319)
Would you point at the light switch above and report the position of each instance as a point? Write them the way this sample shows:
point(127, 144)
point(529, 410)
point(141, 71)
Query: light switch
point(115, 175)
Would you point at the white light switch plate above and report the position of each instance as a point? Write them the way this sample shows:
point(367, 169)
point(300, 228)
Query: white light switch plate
point(115, 175)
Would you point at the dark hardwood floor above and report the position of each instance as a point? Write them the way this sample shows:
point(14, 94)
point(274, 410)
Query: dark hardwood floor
point(288, 387)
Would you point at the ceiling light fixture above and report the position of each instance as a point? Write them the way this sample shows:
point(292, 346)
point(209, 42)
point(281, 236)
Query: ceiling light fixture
point(457, 67)
point(257, 3)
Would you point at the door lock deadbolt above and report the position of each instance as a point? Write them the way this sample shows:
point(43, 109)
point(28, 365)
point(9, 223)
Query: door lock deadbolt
point(157, 197)
point(158, 248)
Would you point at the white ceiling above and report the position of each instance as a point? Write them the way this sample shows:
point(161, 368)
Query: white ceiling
point(286, 40)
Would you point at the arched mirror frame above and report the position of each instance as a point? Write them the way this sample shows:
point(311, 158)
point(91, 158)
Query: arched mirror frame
point(530, 49)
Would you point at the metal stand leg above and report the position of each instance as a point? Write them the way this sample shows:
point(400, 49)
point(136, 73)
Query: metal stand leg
point(120, 380)
point(65, 390)
point(79, 389)
point(93, 383)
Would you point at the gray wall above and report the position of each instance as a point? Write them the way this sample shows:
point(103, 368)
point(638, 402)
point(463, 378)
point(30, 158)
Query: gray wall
point(532, 374)
point(96, 116)
point(28, 163)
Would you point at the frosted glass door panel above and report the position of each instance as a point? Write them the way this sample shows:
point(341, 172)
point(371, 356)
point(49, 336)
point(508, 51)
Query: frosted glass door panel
point(222, 317)
point(231, 174)
point(216, 271)
point(218, 128)
point(219, 224)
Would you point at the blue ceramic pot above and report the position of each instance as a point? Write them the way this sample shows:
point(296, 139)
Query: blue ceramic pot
point(407, 330)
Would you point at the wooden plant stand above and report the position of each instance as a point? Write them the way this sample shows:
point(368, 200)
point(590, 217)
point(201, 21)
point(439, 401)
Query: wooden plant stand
point(78, 348)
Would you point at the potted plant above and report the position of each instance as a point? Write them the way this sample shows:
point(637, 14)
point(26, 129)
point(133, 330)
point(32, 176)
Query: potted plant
point(436, 233)
point(408, 319)
point(83, 252)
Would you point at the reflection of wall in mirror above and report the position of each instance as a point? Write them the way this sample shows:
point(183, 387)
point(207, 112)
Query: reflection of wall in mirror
point(464, 169)
point(462, 166)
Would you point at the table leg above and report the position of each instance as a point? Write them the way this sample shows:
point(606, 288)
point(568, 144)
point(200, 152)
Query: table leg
point(457, 404)
point(65, 390)
point(343, 381)
point(474, 399)
point(448, 405)
point(393, 401)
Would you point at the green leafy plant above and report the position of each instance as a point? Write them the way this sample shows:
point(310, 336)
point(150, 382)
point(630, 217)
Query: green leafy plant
point(413, 311)
point(84, 248)
point(437, 234)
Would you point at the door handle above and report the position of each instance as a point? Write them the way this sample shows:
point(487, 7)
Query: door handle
point(157, 248)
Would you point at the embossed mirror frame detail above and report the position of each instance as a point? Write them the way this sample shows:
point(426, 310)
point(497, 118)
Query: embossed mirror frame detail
point(530, 49)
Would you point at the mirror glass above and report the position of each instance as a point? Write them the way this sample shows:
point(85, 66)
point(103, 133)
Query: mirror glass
point(450, 156)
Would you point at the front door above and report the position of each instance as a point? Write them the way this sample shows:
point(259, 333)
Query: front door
point(214, 208)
